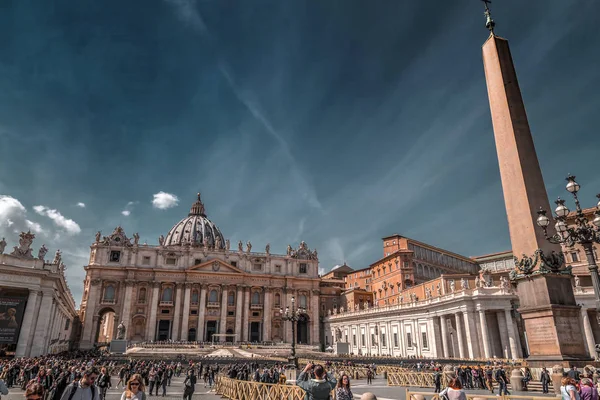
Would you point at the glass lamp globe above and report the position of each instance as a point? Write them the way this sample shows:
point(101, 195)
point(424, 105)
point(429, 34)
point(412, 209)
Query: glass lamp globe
point(542, 219)
point(560, 226)
point(596, 220)
point(572, 186)
point(561, 210)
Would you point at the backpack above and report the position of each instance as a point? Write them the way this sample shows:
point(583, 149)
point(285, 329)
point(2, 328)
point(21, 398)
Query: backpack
point(74, 387)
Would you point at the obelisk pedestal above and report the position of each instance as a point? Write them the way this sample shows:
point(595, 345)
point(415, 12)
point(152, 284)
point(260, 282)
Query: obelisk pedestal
point(547, 303)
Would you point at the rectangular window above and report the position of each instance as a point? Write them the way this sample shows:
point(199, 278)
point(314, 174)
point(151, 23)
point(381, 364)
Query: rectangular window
point(256, 314)
point(383, 343)
point(146, 260)
point(303, 268)
point(373, 343)
point(395, 339)
point(574, 256)
point(193, 312)
point(171, 261)
point(424, 340)
point(197, 261)
point(409, 339)
point(257, 267)
point(353, 340)
point(230, 313)
point(362, 339)
point(234, 263)
point(115, 256)
point(67, 324)
point(326, 339)
point(277, 268)
point(166, 311)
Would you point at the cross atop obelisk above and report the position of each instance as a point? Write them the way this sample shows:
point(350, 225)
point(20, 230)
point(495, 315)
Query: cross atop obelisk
point(489, 22)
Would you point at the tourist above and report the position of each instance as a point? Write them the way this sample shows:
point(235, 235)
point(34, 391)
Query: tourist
point(83, 389)
point(489, 373)
point(502, 381)
point(568, 389)
point(318, 388)
point(545, 379)
point(35, 391)
point(122, 380)
point(342, 390)
point(135, 389)
point(152, 380)
point(369, 376)
point(573, 373)
point(164, 382)
point(526, 376)
point(587, 390)
point(3, 388)
point(437, 380)
point(189, 385)
point(454, 391)
point(103, 383)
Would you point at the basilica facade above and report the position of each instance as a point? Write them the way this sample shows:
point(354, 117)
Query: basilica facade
point(193, 286)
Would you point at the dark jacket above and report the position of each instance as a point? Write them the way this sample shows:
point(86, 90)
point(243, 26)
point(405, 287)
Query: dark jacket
point(316, 389)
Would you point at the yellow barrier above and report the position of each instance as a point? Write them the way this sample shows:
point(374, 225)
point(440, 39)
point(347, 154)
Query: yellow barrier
point(246, 390)
point(410, 395)
point(414, 379)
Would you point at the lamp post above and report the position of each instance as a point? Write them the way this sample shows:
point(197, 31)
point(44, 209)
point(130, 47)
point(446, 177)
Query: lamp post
point(583, 233)
point(293, 316)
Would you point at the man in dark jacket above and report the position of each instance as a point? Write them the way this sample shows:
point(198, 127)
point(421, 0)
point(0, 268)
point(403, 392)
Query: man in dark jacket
point(545, 379)
point(318, 388)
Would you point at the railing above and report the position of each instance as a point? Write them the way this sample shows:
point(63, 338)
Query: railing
point(213, 304)
point(108, 301)
point(413, 379)
point(246, 390)
point(166, 303)
point(256, 306)
point(410, 395)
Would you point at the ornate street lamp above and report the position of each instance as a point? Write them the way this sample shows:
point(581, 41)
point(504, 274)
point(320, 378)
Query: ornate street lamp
point(583, 233)
point(293, 316)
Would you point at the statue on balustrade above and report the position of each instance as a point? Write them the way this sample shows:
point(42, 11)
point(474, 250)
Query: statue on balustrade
point(121, 331)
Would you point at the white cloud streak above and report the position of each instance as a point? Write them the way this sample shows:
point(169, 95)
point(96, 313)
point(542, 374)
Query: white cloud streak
point(81, 205)
point(126, 213)
point(70, 226)
point(163, 200)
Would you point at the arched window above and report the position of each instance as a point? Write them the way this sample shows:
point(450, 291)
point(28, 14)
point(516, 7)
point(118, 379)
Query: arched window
point(302, 301)
point(167, 294)
point(142, 295)
point(213, 296)
point(194, 296)
point(277, 299)
point(255, 298)
point(109, 293)
point(231, 298)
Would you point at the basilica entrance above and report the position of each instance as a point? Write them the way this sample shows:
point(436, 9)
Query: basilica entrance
point(192, 335)
point(255, 331)
point(302, 332)
point(211, 329)
point(164, 329)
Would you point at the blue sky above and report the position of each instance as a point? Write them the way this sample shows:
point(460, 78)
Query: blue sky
point(333, 122)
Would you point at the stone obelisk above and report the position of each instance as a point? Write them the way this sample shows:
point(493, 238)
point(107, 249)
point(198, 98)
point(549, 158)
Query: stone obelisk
point(547, 303)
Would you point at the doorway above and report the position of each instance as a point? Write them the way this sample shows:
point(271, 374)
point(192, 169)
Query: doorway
point(302, 330)
point(211, 329)
point(164, 329)
point(255, 331)
point(192, 335)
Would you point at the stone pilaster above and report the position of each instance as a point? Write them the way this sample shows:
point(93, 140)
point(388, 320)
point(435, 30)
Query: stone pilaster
point(503, 334)
point(93, 298)
point(223, 319)
point(485, 336)
point(246, 314)
point(267, 313)
point(186, 312)
point(434, 337)
point(177, 315)
point(589, 334)
point(314, 317)
point(201, 315)
point(512, 339)
point(127, 300)
point(444, 329)
point(154, 299)
point(470, 333)
point(239, 298)
point(459, 336)
point(43, 324)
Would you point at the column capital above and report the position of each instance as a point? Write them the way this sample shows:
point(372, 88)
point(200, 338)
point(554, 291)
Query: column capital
point(130, 283)
point(187, 285)
point(316, 292)
point(156, 284)
point(203, 286)
point(96, 282)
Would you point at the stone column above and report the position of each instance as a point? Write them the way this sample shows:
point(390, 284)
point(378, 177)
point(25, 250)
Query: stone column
point(437, 344)
point(315, 317)
point(177, 316)
point(512, 340)
point(485, 334)
point(87, 335)
point(223, 321)
point(43, 324)
point(186, 312)
point(239, 298)
point(267, 313)
point(246, 314)
point(459, 336)
point(444, 329)
point(127, 300)
point(154, 299)
point(201, 315)
point(470, 333)
point(503, 335)
point(589, 334)
point(287, 326)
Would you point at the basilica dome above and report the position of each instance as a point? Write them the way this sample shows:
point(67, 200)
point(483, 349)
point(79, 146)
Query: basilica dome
point(195, 230)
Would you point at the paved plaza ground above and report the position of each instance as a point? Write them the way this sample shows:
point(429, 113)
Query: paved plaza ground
point(378, 387)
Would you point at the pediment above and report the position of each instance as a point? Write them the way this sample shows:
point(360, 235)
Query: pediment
point(216, 266)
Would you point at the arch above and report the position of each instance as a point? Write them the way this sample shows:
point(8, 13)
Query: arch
point(138, 329)
point(167, 294)
point(105, 326)
point(213, 296)
point(142, 295)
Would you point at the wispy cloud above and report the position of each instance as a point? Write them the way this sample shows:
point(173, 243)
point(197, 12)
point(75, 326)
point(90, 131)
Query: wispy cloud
point(126, 213)
point(70, 226)
point(187, 13)
point(163, 200)
point(81, 205)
